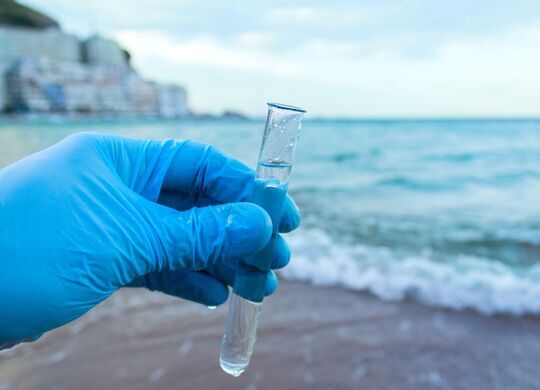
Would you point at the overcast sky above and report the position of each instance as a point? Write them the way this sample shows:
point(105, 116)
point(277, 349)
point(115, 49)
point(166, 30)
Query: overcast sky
point(374, 58)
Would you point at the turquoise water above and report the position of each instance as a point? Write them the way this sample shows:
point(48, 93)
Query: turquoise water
point(445, 212)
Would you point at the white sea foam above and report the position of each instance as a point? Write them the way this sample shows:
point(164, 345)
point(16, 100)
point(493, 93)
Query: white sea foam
point(481, 284)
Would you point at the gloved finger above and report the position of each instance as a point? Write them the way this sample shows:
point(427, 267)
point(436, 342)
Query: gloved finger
point(206, 176)
point(290, 217)
point(226, 273)
point(200, 237)
point(271, 283)
point(140, 164)
point(191, 168)
point(175, 200)
point(195, 286)
point(183, 174)
point(282, 253)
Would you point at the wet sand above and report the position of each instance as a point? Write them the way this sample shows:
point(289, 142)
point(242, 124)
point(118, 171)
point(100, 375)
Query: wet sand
point(317, 338)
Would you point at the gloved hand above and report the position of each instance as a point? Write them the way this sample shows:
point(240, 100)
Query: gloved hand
point(97, 212)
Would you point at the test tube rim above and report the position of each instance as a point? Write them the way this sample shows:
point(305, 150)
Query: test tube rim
point(286, 107)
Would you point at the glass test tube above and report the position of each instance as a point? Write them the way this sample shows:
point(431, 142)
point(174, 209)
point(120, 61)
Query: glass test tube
point(273, 168)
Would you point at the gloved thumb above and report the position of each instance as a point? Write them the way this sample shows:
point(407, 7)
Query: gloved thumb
point(204, 236)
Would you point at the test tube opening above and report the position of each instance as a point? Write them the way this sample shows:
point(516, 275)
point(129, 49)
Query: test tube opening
point(285, 107)
point(282, 130)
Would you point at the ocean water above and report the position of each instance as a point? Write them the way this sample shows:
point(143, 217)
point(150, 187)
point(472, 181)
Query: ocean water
point(443, 212)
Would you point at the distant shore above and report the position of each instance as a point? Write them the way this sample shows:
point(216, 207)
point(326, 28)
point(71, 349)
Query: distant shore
point(309, 338)
point(232, 115)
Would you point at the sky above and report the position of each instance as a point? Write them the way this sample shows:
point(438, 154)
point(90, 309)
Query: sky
point(339, 58)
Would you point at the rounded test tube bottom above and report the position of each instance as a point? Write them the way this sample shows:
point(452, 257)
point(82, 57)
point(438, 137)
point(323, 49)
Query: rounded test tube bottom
point(240, 335)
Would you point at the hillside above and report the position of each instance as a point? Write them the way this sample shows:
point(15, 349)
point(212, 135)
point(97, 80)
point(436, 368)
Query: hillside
point(15, 14)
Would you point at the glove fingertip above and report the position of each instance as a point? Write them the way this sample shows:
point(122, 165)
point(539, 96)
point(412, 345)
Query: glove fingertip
point(282, 253)
point(218, 297)
point(249, 229)
point(271, 283)
point(290, 217)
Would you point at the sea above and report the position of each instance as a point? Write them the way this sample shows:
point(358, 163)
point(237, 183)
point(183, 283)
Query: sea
point(444, 212)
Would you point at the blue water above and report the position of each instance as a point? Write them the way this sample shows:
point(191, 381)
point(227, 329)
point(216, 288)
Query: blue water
point(444, 212)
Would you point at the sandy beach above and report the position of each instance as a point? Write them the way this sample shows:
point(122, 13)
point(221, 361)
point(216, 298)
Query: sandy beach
point(309, 338)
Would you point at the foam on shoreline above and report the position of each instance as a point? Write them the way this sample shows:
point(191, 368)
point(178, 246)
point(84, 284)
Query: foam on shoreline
point(467, 282)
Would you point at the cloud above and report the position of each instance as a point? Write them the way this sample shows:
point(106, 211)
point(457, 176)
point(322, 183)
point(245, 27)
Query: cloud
point(467, 76)
point(256, 38)
point(297, 14)
point(204, 50)
point(375, 57)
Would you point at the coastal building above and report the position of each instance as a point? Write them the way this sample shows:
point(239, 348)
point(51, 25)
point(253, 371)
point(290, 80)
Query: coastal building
point(43, 69)
point(26, 90)
point(51, 43)
point(16, 43)
point(44, 85)
point(142, 95)
point(98, 51)
point(172, 101)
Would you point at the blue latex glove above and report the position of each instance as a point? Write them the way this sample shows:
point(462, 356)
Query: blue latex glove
point(97, 212)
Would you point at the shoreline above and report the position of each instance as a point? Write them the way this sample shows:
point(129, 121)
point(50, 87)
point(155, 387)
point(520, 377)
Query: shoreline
point(316, 337)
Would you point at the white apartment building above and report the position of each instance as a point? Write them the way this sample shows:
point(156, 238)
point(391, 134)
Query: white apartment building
point(17, 43)
point(172, 101)
point(98, 51)
point(48, 70)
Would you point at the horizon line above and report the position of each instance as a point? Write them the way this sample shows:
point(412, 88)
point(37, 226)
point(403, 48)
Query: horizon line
point(46, 116)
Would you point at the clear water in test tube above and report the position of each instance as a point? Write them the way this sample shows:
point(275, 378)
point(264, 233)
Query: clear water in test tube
point(273, 168)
